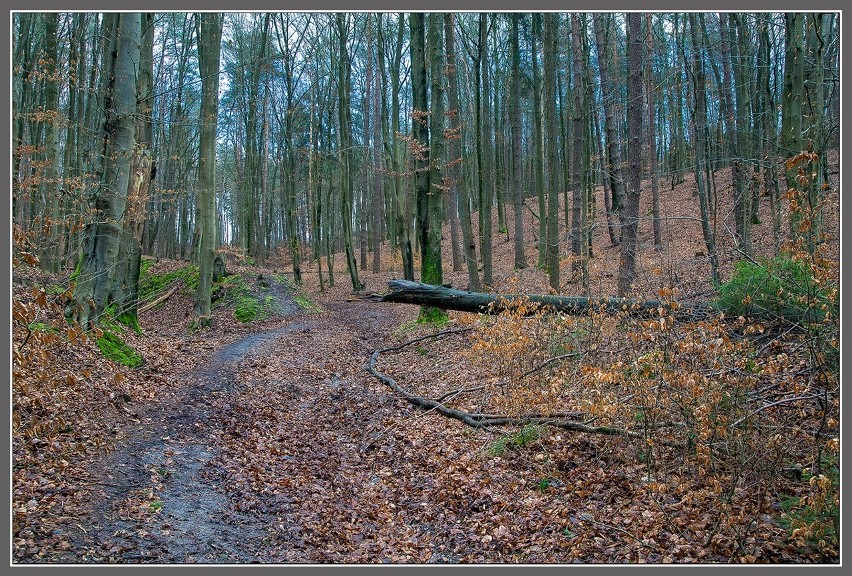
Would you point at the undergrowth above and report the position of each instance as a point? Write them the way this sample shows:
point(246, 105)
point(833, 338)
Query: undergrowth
point(523, 437)
point(715, 412)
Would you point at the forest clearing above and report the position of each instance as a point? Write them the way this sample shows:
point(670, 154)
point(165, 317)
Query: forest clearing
point(208, 366)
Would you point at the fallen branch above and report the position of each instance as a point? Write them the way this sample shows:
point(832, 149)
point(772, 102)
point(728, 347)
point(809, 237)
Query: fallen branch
point(160, 299)
point(487, 420)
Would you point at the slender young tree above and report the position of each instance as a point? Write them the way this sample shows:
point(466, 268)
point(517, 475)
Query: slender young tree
point(550, 144)
point(378, 190)
point(699, 123)
point(515, 126)
point(767, 120)
point(613, 144)
point(579, 202)
point(627, 262)
point(538, 146)
point(345, 150)
point(457, 187)
point(652, 136)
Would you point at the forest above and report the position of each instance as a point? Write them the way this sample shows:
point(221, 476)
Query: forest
point(371, 287)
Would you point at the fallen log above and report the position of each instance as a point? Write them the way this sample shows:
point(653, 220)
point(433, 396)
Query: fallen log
point(408, 292)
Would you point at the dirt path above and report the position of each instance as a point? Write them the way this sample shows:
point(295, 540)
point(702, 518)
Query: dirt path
point(166, 494)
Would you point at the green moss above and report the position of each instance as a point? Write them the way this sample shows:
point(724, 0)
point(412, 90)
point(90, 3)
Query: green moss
point(247, 306)
point(41, 327)
point(306, 303)
point(75, 275)
point(150, 285)
point(433, 316)
point(118, 351)
point(131, 321)
point(526, 435)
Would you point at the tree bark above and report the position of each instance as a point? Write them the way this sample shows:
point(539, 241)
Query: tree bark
point(109, 271)
point(345, 152)
point(52, 183)
point(209, 44)
point(515, 126)
point(551, 143)
point(407, 292)
point(627, 261)
point(430, 247)
point(579, 202)
point(486, 172)
point(538, 150)
point(457, 187)
point(652, 139)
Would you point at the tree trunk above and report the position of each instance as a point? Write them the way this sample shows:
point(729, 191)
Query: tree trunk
point(209, 43)
point(699, 116)
point(345, 151)
point(407, 292)
point(378, 190)
point(143, 159)
point(769, 125)
point(538, 159)
point(579, 202)
point(627, 261)
point(50, 260)
point(430, 247)
point(486, 167)
point(515, 126)
point(109, 271)
point(791, 100)
point(613, 144)
point(652, 139)
point(458, 187)
point(551, 143)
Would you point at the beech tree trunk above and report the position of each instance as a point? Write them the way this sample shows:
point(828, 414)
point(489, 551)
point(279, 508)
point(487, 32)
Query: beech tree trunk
point(627, 262)
point(109, 270)
point(550, 139)
point(209, 42)
point(517, 166)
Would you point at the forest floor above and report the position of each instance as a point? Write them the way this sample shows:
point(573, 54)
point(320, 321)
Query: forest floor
point(268, 442)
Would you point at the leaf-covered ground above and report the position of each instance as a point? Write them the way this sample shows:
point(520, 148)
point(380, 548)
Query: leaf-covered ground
point(268, 442)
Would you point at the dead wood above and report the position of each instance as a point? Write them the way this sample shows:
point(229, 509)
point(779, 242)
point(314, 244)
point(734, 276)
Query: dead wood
point(160, 299)
point(408, 292)
point(566, 421)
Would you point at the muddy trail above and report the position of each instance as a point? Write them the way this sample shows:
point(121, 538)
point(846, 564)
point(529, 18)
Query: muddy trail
point(166, 494)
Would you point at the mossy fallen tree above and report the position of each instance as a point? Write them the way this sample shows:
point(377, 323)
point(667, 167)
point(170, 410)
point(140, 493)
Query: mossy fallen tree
point(408, 292)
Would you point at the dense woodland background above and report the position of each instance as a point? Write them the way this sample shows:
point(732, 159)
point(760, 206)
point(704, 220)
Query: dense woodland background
point(676, 156)
point(317, 150)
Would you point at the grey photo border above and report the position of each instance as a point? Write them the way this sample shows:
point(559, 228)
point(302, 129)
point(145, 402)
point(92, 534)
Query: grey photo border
point(392, 6)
